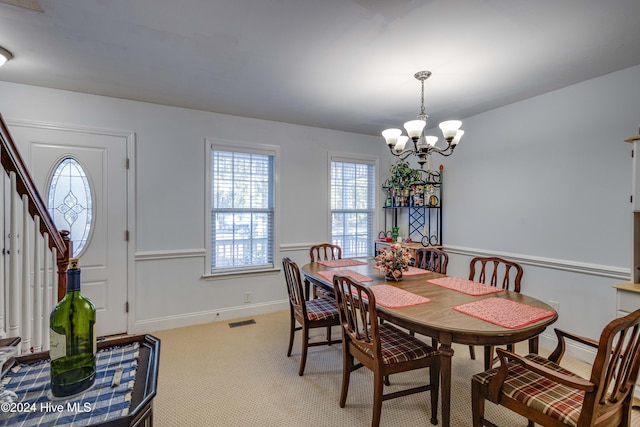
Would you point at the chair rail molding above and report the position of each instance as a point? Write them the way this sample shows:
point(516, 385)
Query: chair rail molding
point(618, 273)
point(294, 247)
point(171, 254)
point(201, 252)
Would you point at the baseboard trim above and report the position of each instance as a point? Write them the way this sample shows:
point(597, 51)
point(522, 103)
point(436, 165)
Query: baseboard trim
point(224, 314)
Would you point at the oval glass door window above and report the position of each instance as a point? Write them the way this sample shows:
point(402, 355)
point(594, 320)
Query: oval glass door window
point(70, 202)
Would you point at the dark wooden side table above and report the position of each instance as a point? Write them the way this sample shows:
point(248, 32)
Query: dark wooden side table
point(145, 383)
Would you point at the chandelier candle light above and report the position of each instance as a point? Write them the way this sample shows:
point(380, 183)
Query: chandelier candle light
point(423, 145)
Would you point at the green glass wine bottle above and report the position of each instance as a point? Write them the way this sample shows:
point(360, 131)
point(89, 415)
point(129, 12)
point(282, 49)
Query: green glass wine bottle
point(72, 339)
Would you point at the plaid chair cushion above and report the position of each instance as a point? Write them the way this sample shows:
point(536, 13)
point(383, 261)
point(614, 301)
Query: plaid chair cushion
point(321, 308)
point(398, 346)
point(555, 400)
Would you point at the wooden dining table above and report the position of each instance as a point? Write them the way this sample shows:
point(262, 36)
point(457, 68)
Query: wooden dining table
point(438, 318)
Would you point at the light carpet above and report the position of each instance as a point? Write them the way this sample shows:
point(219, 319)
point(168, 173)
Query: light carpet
point(215, 375)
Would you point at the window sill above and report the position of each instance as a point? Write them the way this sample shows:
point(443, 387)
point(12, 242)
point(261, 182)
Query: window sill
point(244, 272)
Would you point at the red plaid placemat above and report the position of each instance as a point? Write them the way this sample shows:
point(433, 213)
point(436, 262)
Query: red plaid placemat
point(355, 275)
point(392, 297)
point(333, 263)
point(413, 271)
point(504, 312)
point(465, 286)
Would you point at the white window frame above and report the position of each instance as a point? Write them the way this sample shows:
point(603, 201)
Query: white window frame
point(356, 158)
point(240, 147)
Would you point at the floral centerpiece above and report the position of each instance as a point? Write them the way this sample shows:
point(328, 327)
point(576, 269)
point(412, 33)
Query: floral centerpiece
point(393, 261)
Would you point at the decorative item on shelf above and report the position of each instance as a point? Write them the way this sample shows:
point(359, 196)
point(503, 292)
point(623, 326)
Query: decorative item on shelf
point(402, 176)
point(395, 232)
point(423, 145)
point(392, 261)
point(385, 236)
point(404, 186)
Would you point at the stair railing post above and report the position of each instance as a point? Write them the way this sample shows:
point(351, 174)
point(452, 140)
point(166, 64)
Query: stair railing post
point(63, 263)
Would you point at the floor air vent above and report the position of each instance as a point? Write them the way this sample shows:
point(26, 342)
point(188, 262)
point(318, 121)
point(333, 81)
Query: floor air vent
point(244, 322)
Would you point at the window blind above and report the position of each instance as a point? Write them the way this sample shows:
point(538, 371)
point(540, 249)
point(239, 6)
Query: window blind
point(242, 210)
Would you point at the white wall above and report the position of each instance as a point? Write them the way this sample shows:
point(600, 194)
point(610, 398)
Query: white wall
point(166, 287)
point(546, 181)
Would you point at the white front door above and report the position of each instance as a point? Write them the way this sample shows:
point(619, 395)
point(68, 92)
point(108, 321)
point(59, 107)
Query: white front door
point(103, 258)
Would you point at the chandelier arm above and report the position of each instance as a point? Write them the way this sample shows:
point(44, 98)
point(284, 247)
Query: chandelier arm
point(443, 151)
point(403, 155)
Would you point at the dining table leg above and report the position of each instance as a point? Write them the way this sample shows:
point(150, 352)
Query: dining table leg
point(307, 289)
point(446, 353)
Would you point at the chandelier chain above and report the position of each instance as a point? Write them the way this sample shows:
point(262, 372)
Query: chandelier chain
point(422, 113)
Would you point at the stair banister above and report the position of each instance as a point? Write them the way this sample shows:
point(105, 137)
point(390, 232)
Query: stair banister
point(12, 162)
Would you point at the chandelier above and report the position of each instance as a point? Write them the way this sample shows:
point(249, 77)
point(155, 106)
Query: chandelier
point(423, 145)
point(5, 55)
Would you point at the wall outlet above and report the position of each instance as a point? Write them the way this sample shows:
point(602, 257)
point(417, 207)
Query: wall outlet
point(555, 305)
point(248, 296)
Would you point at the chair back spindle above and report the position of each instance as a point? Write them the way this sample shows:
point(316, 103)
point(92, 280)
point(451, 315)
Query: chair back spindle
point(615, 368)
point(325, 252)
point(498, 270)
point(432, 259)
point(294, 285)
point(360, 320)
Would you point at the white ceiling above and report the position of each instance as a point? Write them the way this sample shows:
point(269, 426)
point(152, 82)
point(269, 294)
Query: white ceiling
point(337, 64)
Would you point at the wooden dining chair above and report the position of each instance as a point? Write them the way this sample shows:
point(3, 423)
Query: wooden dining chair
point(317, 313)
point(382, 348)
point(549, 395)
point(324, 252)
point(500, 272)
point(432, 259)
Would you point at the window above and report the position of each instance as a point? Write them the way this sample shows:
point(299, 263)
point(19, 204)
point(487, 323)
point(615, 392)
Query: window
point(70, 202)
point(242, 208)
point(352, 206)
